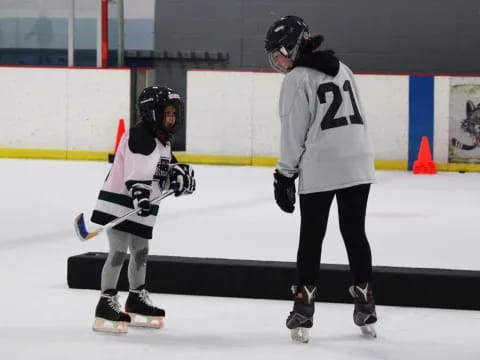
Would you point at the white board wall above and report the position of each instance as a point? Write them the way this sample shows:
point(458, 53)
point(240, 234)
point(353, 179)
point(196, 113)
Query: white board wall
point(228, 112)
point(62, 108)
point(236, 113)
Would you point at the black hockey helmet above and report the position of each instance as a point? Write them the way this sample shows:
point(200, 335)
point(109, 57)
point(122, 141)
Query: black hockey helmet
point(152, 102)
point(286, 35)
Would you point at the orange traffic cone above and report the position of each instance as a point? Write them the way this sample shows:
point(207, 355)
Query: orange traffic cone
point(424, 163)
point(120, 132)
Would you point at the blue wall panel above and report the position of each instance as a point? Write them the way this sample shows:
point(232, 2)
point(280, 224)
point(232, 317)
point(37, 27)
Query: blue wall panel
point(421, 93)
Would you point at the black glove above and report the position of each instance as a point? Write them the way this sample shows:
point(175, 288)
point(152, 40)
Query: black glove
point(182, 179)
point(284, 190)
point(141, 198)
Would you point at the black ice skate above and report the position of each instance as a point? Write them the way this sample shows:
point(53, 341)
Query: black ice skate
point(364, 314)
point(143, 312)
point(108, 316)
point(300, 319)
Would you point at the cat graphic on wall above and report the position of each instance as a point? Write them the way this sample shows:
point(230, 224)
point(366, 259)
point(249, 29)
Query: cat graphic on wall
point(471, 126)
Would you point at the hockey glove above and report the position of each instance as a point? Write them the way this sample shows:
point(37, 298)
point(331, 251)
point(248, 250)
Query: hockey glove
point(162, 172)
point(141, 198)
point(182, 179)
point(284, 190)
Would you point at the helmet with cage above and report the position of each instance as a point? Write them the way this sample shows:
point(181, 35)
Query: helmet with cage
point(158, 104)
point(286, 36)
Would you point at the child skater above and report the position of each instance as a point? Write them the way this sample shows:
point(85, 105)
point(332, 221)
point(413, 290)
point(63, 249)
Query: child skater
point(144, 166)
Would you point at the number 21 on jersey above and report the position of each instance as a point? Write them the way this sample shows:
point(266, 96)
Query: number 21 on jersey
point(330, 120)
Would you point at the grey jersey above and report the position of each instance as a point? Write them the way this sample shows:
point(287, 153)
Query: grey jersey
point(323, 131)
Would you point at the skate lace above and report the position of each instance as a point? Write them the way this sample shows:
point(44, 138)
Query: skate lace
point(145, 297)
point(113, 302)
point(362, 296)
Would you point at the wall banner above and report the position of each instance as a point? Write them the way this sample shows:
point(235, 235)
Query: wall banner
point(464, 133)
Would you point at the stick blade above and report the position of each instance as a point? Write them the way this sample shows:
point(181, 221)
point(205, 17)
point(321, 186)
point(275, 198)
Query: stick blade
point(80, 228)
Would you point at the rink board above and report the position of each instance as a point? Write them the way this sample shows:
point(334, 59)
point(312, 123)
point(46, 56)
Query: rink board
point(395, 286)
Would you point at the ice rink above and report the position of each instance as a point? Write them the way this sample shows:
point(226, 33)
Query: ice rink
point(413, 221)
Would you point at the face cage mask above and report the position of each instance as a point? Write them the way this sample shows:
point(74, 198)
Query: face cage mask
point(292, 55)
point(273, 63)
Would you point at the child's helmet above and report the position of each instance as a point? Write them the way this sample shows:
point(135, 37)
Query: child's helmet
point(152, 102)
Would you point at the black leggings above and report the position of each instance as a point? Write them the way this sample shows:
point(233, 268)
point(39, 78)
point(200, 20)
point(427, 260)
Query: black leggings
point(314, 209)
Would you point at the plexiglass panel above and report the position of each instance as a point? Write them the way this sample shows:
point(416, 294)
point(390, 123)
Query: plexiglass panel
point(35, 32)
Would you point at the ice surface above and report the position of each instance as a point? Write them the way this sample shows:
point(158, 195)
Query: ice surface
point(415, 221)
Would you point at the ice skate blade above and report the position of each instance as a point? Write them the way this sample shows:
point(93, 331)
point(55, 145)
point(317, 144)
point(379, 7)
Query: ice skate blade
point(112, 327)
point(300, 334)
point(368, 330)
point(154, 322)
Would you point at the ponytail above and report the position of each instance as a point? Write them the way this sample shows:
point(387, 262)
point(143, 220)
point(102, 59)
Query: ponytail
point(312, 44)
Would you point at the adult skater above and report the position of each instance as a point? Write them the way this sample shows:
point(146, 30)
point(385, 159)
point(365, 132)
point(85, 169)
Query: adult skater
point(323, 142)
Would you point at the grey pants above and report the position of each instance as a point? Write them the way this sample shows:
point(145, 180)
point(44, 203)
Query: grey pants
point(120, 242)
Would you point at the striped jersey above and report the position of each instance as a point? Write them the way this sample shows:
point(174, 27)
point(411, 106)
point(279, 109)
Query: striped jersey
point(324, 135)
point(140, 158)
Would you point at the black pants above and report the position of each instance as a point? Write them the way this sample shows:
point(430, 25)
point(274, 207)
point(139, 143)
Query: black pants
point(314, 209)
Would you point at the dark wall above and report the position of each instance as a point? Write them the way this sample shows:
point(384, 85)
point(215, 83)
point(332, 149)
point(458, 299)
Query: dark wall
point(371, 35)
point(386, 36)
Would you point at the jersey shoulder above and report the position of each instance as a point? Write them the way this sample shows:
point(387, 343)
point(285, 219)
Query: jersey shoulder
point(306, 77)
point(296, 75)
point(141, 141)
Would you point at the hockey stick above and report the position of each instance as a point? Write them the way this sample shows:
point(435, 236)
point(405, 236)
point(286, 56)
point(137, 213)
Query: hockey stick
point(81, 229)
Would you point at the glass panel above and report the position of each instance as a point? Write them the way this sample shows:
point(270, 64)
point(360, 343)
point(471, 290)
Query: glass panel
point(86, 12)
point(112, 30)
point(33, 32)
point(86, 32)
